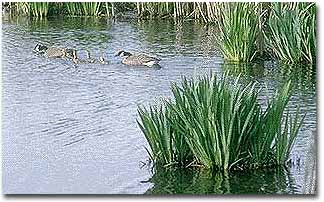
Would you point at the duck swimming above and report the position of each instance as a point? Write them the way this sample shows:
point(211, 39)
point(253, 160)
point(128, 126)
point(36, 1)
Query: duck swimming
point(138, 59)
point(76, 60)
point(68, 53)
point(39, 48)
point(50, 52)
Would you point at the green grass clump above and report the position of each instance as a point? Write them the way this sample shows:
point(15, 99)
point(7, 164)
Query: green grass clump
point(34, 9)
point(238, 31)
point(39, 9)
point(45, 9)
point(219, 126)
point(292, 32)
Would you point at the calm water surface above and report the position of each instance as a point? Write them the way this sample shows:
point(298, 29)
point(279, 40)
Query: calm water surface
point(72, 128)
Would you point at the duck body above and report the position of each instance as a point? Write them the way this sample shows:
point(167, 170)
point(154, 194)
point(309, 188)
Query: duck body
point(50, 52)
point(88, 60)
point(140, 59)
point(54, 52)
point(68, 53)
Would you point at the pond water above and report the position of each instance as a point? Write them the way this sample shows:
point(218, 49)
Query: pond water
point(72, 128)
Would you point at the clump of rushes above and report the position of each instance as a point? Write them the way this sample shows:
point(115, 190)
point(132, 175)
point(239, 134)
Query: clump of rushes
point(239, 30)
point(35, 9)
point(219, 126)
point(39, 9)
point(84, 8)
point(167, 145)
point(292, 32)
point(91, 8)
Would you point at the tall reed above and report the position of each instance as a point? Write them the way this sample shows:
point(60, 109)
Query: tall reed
point(91, 8)
point(246, 31)
point(35, 9)
point(220, 126)
point(292, 32)
point(39, 9)
point(238, 31)
point(44, 9)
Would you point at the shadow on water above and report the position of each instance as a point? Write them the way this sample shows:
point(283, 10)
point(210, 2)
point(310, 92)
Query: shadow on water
point(180, 36)
point(67, 31)
point(302, 75)
point(193, 181)
point(53, 23)
point(72, 129)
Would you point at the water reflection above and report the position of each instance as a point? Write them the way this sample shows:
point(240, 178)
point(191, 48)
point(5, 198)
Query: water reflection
point(179, 36)
point(303, 76)
point(248, 70)
point(66, 125)
point(193, 181)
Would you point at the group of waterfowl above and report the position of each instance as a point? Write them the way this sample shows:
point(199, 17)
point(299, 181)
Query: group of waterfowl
point(69, 53)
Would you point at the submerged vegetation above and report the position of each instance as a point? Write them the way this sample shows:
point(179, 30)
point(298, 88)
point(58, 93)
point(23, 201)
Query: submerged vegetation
point(196, 181)
point(246, 31)
point(220, 127)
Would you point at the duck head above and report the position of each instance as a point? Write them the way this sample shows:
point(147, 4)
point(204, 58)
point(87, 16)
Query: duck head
point(75, 56)
point(102, 60)
point(39, 48)
point(123, 53)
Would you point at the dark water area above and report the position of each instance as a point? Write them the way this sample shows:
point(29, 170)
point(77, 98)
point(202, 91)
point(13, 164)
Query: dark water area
point(71, 129)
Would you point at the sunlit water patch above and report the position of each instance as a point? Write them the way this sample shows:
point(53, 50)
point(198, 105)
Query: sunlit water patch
point(72, 128)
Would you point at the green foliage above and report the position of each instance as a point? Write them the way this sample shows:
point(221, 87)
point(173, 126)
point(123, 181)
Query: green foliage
point(35, 9)
point(292, 32)
point(39, 9)
point(84, 8)
point(44, 9)
point(167, 145)
point(246, 31)
point(219, 126)
point(238, 31)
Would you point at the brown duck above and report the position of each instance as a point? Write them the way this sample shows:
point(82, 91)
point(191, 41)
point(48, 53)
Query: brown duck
point(138, 59)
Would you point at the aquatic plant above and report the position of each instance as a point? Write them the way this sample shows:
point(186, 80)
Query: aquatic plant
point(292, 32)
point(219, 126)
point(238, 31)
point(167, 145)
point(88, 8)
point(44, 9)
point(246, 31)
point(73, 8)
point(35, 9)
point(91, 8)
point(20, 8)
point(39, 9)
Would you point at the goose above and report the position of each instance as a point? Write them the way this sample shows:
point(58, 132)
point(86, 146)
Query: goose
point(68, 53)
point(76, 60)
point(137, 59)
point(50, 52)
point(39, 48)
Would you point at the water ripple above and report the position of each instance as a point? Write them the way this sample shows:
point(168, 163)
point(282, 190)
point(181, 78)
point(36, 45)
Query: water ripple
point(78, 122)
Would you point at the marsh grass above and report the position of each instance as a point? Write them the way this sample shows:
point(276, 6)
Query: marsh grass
point(44, 9)
point(237, 37)
point(219, 125)
point(292, 32)
point(246, 31)
point(34, 9)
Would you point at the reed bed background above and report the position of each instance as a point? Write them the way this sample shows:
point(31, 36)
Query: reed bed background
point(46, 9)
point(292, 32)
point(246, 31)
point(237, 38)
point(220, 125)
